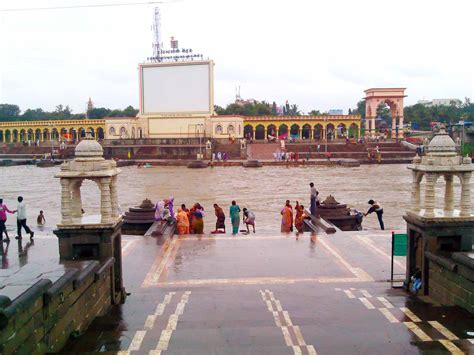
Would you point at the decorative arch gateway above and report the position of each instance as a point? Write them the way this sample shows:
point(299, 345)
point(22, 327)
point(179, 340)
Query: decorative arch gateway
point(393, 97)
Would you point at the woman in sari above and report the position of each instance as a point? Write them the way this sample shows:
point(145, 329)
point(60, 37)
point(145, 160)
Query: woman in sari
point(198, 220)
point(234, 212)
point(299, 217)
point(191, 219)
point(287, 218)
point(220, 223)
point(182, 222)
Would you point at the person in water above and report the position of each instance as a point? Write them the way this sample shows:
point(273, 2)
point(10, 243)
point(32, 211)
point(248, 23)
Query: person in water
point(40, 220)
point(182, 223)
point(220, 222)
point(198, 219)
point(287, 218)
point(234, 212)
point(299, 217)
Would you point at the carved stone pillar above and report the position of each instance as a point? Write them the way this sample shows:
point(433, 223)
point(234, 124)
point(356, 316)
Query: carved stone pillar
point(400, 127)
point(394, 126)
point(430, 194)
point(105, 202)
point(415, 192)
point(367, 126)
point(466, 194)
point(76, 201)
point(372, 127)
point(114, 197)
point(448, 195)
point(65, 202)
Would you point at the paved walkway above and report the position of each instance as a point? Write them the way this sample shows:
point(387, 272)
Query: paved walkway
point(271, 294)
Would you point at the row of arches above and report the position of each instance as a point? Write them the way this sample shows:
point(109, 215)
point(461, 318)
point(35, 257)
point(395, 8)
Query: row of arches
point(306, 131)
point(43, 135)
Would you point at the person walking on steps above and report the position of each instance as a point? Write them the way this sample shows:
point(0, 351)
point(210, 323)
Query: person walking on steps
point(21, 219)
point(377, 208)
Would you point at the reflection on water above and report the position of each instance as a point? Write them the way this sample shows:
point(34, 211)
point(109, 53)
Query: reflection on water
point(263, 190)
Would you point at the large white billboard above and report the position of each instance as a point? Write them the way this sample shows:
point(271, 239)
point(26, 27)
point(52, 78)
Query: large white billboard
point(176, 88)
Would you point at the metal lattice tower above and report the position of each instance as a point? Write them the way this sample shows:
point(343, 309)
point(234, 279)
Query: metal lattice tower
point(156, 28)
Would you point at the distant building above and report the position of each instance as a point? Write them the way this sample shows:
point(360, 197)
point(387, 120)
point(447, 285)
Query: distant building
point(440, 102)
point(336, 112)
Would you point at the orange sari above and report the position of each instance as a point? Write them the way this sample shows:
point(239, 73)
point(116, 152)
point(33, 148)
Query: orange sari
point(299, 218)
point(286, 219)
point(182, 222)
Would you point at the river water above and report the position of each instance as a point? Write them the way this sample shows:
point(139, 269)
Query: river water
point(263, 190)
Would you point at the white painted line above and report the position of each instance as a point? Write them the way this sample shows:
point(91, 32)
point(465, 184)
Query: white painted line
point(287, 318)
point(297, 350)
point(287, 336)
point(337, 289)
point(443, 330)
point(366, 293)
point(349, 294)
point(453, 349)
point(410, 314)
point(352, 289)
point(311, 350)
point(388, 315)
point(299, 336)
point(137, 340)
point(366, 303)
point(371, 245)
point(385, 302)
point(418, 332)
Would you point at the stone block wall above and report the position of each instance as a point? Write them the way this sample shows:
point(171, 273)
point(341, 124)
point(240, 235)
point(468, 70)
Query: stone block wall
point(451, 283)
point(44, 317)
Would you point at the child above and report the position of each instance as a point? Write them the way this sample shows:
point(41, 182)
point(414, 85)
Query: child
point(40, 219)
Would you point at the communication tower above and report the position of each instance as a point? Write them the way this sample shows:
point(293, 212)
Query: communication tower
point(156, 28)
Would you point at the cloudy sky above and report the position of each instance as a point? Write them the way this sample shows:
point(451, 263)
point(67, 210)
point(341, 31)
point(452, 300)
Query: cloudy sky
point(318, 54)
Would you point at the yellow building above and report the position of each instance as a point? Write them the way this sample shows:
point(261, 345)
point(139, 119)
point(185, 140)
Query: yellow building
point(39, 131)
point(302, 127)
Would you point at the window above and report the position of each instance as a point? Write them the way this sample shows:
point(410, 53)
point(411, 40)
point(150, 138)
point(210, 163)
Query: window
point(112, 131)
point(230, 129)
point(123, 132)
point(218, 129)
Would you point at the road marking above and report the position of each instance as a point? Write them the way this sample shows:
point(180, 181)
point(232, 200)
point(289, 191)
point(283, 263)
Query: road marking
point(443, 330)
point(160, 263)
point(166, 334)
point(349, 294)
point(357, 272)
point(160, 308)
point(385, 302)
point(371, 245)
point(388, 315)
point(453, 349)
point(366, 303)
point(410, 314)
point(418, 332)
point(274, 307)
point(366, 293)
point(137, 340)
point(127, 246)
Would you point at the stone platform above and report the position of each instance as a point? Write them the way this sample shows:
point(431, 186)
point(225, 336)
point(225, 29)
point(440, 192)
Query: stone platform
point(271, 294)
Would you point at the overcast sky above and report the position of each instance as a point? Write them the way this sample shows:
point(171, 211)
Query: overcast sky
point(318, 54)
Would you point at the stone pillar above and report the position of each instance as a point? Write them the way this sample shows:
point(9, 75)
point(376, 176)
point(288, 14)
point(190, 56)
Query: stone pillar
point(367, 126)
point(372, 127)
point(400, 127)
point(76, 201)
point(415, 192)
point(265, 133)
point(65, 202)
point(323, 133)
point(253, 134)
point(311, 133)
point(114, 197)
point(430, 194)
point(466, 194)
point(394, 126)
point(105, 203)
point(449, 195)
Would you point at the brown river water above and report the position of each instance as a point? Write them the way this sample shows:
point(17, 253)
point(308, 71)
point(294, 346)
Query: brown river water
point(263, 190)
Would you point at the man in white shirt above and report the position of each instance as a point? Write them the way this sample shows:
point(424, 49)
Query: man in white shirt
point(21, 219)
point(313, 199)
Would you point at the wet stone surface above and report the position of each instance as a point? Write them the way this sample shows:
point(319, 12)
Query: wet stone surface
point(271, 294)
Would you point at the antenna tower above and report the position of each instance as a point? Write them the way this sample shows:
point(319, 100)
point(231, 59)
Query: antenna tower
point(156, 28)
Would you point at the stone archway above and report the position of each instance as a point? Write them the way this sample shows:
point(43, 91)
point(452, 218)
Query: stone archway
point(260, 132)
point(393, 97)
point(248, 132)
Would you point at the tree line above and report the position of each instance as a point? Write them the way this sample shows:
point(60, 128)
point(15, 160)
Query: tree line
point(9, 112)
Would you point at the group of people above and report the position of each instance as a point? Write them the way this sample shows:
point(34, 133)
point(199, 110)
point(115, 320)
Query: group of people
point(286, 156)
point(191, 221)
point(220, 156)
point(20, 220)
point(287, 217)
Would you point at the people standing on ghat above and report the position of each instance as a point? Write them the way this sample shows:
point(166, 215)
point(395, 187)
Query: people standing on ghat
point(159, 210)
point(299, 217)
point(40, 220)
point(287, 218)
point(191, 219)
point(249, 219)
point(234, 212)
point(220, 222)
point(378, 209)
point(170, 205)
point(313, 199)
point(198, 220)
point(182, 223)
point(21, 219)
point(3, 219)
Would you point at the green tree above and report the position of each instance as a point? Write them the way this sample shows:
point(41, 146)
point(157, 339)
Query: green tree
point(9, 112)
point(130, 111)
point(383, 111)
point(314, 113)
point(98, 112)
point(219, 110)
point(35, 114)
point(360, 110)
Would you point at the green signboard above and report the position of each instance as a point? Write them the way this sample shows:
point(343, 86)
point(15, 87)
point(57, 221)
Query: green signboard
point(400, 244)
